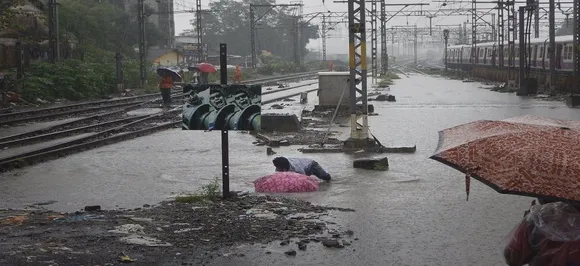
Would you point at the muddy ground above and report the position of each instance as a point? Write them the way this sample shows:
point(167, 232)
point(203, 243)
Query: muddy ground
point(171, 233)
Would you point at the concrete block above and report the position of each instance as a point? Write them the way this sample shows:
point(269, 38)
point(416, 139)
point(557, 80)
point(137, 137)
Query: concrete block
point(280, 123)
point(331, 86)
point(378, 164)
point(573, 100)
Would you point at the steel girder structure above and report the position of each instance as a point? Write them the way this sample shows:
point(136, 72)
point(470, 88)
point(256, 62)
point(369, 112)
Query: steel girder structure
point(198, 28)
point(374, 38)
point(384, 53)
point(474, 54)
point(358, 68)
point(510, 6)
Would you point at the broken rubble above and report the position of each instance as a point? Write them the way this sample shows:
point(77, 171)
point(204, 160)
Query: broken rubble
point(380, 164)
point(332, 243)
point(290, 252)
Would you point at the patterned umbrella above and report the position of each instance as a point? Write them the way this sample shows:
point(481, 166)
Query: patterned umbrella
point(286, 182)
point(529, 155)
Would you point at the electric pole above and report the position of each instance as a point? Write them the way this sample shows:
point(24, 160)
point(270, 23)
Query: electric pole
point(324, 38)
point(576, 52)
point(374, 38)
point(446, 38)
point(552, 46)
point(53, 31)
point(384, 53)
point(254, 20)
point(296, 22)
point(415, 45)
point(142, 40)
point(198, 27)
point(358, 58)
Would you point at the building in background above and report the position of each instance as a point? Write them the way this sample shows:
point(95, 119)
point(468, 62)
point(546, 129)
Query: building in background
point(190, 48)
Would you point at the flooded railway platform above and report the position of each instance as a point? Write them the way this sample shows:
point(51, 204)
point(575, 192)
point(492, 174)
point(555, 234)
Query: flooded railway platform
point(413, 214)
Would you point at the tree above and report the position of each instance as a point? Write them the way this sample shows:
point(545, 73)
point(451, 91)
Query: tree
point(103, 26)
point(230, 23)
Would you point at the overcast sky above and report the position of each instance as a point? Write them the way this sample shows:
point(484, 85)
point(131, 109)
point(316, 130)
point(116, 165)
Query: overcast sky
point(338, 39)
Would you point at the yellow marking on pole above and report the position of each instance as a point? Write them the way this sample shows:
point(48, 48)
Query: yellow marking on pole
point(351, 55)
point(363, 55)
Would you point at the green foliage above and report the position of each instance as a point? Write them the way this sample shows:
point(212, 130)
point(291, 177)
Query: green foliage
point(230, 23)
point(209, 192)
point(75, 79)
point(101, 25)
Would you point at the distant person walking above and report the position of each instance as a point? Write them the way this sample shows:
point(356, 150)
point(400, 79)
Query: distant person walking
point(238, 76)
point(165, 87)
point(303, 166)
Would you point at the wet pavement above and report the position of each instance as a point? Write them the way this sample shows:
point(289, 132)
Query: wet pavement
point(413, 214)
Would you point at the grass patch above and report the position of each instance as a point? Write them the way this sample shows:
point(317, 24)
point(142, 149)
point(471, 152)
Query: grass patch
point(210, 192)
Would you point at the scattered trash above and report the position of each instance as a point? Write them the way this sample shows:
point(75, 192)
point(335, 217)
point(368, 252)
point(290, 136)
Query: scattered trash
point(14, 220)
point(259, 213)
point(93, 208)
point(78, 218)
point(144, 241)
point(139, 219)
point(187, 230)
point(126, 259)
point(128, 229)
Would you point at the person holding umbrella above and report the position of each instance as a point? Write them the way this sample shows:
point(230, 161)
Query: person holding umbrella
point(529, 156)
point(165, 85)
point(549, 235)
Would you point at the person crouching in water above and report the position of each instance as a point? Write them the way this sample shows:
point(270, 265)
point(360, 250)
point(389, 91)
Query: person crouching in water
point(165, 88)
point(303, 166)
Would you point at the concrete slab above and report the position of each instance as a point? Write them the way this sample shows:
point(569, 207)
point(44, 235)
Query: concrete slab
point(9, 131)
point(4, 153)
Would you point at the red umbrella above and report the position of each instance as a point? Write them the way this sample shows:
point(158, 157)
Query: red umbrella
point(530, 156)
point(286, 182)
point(206, 68)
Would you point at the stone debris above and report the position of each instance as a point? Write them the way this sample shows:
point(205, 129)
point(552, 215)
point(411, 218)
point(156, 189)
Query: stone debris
point(332, 243)
point(290, 252)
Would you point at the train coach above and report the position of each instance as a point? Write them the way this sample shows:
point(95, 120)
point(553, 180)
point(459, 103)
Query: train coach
point(459, 56)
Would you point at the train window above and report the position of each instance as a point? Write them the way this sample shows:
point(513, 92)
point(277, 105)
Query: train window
point(570, 52)
point(541, 55)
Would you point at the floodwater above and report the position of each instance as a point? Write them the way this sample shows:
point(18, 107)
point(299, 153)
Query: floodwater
point(413, 214)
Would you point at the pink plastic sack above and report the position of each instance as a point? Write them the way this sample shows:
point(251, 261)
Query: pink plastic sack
point(286, 182)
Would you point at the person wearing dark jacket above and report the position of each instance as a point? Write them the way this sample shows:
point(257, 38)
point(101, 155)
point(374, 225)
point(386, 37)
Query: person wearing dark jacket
point(303, 166)
point(549, 235)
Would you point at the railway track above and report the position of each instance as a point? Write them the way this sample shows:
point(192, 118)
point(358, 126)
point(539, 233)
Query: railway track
point(107, 122)
point(103, 134)
point(122, 104)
